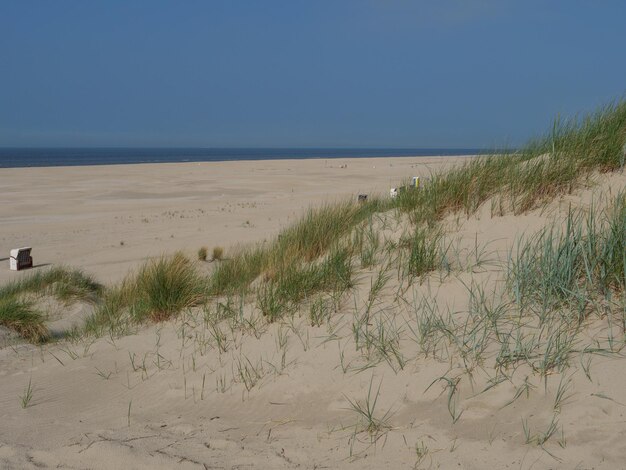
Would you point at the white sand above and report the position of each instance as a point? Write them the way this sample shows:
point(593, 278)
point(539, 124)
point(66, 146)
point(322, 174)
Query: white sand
point(166, 396)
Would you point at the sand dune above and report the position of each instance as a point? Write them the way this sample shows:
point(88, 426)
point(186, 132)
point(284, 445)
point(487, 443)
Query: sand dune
point(281, 395)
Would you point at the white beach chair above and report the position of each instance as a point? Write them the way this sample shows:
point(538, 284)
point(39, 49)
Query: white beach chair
point(20, 259)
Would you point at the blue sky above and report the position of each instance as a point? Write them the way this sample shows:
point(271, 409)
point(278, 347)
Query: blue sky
point(362, 73)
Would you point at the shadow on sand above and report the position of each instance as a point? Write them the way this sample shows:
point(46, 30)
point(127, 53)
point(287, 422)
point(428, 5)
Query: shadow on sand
point(41, 265)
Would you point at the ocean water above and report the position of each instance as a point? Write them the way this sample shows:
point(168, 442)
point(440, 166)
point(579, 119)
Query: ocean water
point(39, 157)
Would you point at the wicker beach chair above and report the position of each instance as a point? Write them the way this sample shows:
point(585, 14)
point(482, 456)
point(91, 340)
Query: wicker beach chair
point(20, 259)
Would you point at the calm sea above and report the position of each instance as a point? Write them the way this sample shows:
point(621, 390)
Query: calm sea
point(31, 157)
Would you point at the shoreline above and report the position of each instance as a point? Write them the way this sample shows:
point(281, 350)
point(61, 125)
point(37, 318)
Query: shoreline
point(70, 157)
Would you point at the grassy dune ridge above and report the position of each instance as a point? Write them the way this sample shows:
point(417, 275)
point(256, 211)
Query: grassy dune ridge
point(316, 254)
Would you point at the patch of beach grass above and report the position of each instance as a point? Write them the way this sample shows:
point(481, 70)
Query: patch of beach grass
point(289, 285)
point(533, 175)
point(165, 286)
point(366, 242)
point(65, 284)
point(369, 419)
point(18, 310)
point(27, 396)
point(162, 288)
point(305, 241)
point(575, 267)
point(217, 254)
point(112, 314)
point(238, 272)
point(319, 229)
point(22, 317)
point(424, 252)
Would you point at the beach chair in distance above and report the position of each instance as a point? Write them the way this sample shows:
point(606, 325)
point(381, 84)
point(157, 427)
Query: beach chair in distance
point(20, 259)
point(362, 198)
point(395, 192)
point(419, 181)
point(415, 184)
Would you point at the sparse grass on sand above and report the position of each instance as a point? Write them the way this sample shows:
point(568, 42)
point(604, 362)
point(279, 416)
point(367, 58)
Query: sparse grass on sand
point(367, 414)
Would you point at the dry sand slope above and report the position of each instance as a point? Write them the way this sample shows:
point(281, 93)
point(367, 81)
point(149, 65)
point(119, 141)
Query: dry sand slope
point(195, 394)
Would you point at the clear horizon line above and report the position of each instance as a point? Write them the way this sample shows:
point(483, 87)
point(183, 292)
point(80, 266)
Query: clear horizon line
point(347, 147)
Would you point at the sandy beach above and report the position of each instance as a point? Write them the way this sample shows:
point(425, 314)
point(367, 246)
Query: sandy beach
point(108, 219)
point(243, 392)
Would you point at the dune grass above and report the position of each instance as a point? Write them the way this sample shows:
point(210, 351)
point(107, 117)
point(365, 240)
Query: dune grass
point(289, 286)
point(22, 317)
point(217, 254)
point(162, 288)
point(576, 267)
point(367, 413)
point(564, 298)
point(287, 271)
point(112, 313)
point(18, 311)
point(63, 283)
point(305, 241)
point(526, 178)
point(165, 286)
point(424, 251)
